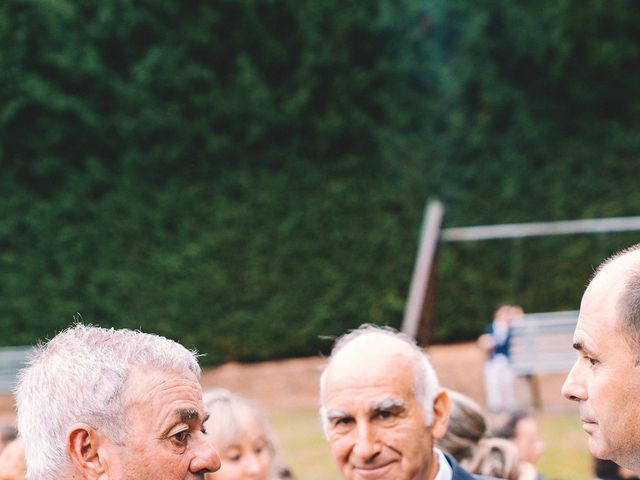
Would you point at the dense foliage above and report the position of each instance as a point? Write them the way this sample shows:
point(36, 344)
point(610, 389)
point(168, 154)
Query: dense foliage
point(249, 176)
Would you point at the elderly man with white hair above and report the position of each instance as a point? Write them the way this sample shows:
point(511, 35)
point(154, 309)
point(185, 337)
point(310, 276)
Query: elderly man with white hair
point(382, 409)
point(96, 403)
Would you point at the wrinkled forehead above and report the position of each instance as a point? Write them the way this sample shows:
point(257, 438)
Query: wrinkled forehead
point(149, 384)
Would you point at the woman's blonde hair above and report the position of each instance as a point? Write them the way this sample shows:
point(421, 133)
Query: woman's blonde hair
point(232, 416)
point(494, 457)
point(467, 441)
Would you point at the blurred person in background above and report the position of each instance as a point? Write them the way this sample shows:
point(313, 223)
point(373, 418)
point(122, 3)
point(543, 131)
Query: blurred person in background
point(240, 431)
point(522, 429)
point(12, 462)
point(467, 426)
point(467, 441)
point(96, 403)
point(497, 457)
point(498, 375)
point(605, 378)
point(8, 433)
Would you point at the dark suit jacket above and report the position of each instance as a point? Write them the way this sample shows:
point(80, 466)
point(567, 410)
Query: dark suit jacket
point(460, 473)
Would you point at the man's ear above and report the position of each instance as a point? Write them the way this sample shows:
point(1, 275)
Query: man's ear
point(83, 444)
point(441, 408)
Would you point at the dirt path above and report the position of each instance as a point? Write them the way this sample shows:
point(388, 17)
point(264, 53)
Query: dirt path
point(287, 384)
point(293, 383)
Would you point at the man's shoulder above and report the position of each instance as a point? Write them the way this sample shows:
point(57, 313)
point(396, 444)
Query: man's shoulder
point(470, 476)
point(459, 473)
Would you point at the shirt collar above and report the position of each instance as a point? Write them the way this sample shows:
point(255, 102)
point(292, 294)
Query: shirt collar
point(444, 469)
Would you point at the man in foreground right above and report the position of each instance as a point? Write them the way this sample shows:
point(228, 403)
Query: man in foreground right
point(605, 379)
point(382, 409)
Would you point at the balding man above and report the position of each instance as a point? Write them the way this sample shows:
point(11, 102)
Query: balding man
point(605, 379)
point(382, 409)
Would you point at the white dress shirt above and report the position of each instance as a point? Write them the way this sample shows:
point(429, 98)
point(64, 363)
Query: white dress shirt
point(444, 469)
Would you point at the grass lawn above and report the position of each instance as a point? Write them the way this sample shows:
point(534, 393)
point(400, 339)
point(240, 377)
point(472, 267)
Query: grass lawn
point(304, 447)
point(305, 450)
point(566, 456)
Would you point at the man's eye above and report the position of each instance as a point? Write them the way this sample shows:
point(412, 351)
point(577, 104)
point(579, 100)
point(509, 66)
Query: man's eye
point(384, 414)
point(343, 421)
point(183, 436)
point(592, 361)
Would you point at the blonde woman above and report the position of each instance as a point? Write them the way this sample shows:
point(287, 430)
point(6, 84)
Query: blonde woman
point(467, 441)
point(241, 433)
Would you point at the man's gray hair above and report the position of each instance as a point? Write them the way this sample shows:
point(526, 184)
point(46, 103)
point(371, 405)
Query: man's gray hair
point(80, 376)
point(425, 386)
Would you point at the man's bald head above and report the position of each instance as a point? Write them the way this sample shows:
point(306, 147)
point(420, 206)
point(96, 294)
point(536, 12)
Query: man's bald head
point(618, 280)
point(371, 349)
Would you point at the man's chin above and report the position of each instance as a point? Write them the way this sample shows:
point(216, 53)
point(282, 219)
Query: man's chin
point(597, 449)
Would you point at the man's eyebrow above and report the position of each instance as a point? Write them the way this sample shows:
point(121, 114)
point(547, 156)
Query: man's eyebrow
point(579, 346)
point(182, 415)
point(334, 413)
point(187, 414)
point(388, 404)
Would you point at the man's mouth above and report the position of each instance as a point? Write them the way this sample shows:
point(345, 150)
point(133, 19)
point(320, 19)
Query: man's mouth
point(373, 471)
point(588, 425)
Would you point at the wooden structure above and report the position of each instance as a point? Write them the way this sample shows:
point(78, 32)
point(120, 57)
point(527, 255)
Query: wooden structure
point(420, 306)
point(540, 344)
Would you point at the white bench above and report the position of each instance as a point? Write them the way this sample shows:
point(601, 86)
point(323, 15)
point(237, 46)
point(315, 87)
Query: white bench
point(12, 359)
point(542, 343)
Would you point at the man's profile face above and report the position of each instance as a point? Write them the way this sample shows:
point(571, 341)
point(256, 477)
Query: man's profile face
point(164, 437)
point(604, 379)
point(376, 427)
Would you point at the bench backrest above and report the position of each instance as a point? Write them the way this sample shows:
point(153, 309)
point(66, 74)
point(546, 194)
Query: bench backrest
point(542, 343)
point(12, 359)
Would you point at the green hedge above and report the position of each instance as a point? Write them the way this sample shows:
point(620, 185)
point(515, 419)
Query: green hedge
point(249, 176)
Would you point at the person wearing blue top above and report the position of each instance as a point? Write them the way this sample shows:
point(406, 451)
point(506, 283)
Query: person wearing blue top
point(498, 375)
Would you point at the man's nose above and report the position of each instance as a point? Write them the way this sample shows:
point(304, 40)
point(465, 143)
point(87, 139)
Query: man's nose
point(367, 445)
point(206, 458)
point(573, 387)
